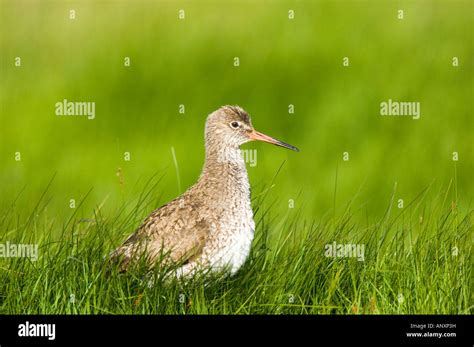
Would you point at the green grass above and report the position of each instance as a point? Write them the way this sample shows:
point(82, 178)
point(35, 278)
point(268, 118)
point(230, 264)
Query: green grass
point(417, 260)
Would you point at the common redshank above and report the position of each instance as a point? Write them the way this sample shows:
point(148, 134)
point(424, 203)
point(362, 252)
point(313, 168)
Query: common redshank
point(210, 226)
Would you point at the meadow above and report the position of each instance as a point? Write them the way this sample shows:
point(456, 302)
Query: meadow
point(314, 77)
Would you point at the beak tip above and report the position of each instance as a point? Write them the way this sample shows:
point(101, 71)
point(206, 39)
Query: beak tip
point(294, 149)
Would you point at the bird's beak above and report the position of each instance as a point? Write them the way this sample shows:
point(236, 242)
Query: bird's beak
point(255, 135)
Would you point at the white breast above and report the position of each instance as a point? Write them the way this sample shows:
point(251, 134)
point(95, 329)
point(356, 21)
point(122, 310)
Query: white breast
point(229, 247)
point(235, 246)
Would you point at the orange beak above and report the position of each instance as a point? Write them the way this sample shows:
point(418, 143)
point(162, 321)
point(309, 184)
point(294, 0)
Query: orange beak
point(255, 135)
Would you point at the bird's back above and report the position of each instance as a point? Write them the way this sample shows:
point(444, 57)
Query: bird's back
point(175, 232)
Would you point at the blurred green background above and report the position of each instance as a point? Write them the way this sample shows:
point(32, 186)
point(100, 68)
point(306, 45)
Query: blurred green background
point(191, 62)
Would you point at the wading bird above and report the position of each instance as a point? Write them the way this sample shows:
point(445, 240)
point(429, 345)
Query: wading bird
point(210, 226)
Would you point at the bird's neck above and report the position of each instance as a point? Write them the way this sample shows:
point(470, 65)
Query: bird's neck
point(224, 170)
point(217, 156)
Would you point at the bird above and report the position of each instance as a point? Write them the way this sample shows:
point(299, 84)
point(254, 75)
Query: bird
point(210, 227)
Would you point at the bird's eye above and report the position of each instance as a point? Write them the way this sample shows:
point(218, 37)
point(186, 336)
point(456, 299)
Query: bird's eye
point(234, 125)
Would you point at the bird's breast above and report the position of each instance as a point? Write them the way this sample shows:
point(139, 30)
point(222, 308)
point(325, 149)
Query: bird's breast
point(232, 244)
point(232, 227)
point(232, 235)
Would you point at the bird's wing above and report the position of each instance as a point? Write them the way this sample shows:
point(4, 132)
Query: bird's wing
point(175, 232)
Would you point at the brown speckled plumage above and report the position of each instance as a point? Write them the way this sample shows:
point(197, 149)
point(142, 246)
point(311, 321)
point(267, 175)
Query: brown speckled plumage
point(210, 226)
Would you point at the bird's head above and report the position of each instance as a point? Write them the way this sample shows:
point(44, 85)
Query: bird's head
point(231, 126)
